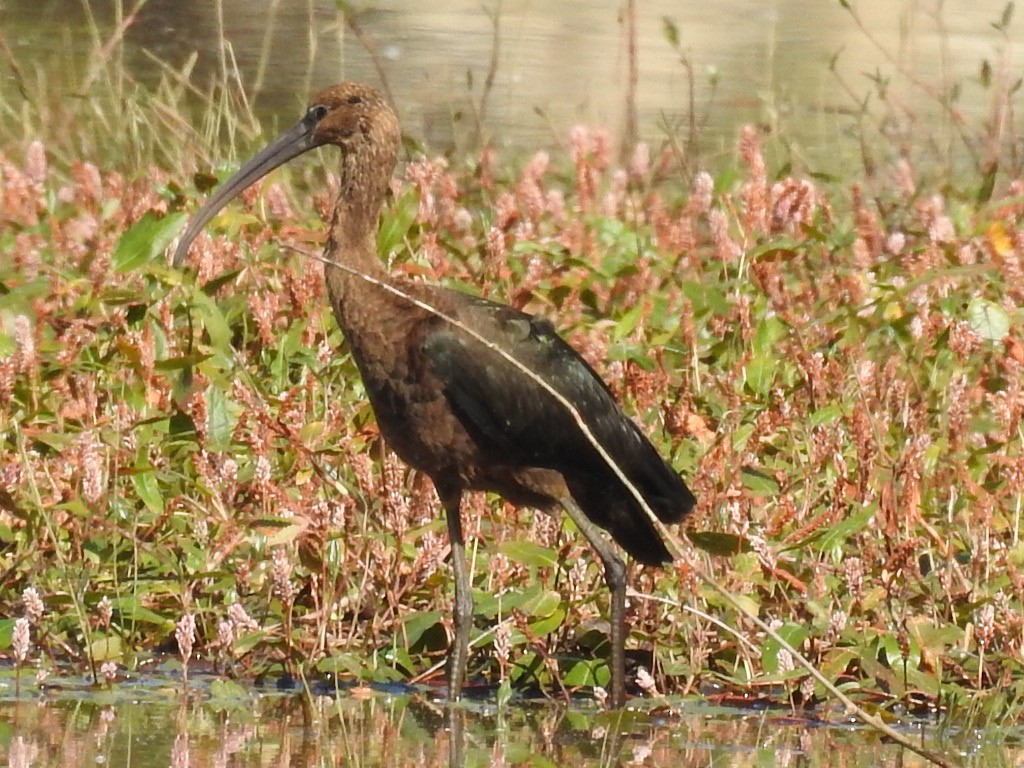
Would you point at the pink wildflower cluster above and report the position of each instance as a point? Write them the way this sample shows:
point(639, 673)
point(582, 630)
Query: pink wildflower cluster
point(438, 210)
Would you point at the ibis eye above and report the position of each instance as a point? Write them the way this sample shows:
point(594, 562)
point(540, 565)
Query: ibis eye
point(317, 113)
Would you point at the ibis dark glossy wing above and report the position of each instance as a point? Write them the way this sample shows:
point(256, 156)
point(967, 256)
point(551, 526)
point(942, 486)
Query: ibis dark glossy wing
point(516, 421)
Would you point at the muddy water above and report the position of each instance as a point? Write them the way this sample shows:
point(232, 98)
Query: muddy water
point(798, 68)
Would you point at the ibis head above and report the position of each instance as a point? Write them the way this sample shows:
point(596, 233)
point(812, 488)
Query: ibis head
point(352, 116)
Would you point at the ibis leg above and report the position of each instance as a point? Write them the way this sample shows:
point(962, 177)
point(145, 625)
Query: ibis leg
point(615, 578)
point(455, 717)
point(458, 654)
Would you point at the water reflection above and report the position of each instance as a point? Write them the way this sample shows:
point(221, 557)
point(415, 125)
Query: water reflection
point(152, 727)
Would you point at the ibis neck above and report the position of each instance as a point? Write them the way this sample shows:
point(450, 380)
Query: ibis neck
point(353, 235)
point(352, 240)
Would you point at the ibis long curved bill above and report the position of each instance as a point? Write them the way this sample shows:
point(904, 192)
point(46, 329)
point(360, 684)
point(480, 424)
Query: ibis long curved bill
point(300, 138)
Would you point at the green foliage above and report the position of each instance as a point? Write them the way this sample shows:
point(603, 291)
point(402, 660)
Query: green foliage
point(146, 240)
point(842, 389)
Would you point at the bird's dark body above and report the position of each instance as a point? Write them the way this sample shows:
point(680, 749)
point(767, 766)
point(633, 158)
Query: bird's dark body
point(455, 408)
point(464, 415)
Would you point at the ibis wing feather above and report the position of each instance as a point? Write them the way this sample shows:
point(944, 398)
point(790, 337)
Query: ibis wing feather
point(516, 421)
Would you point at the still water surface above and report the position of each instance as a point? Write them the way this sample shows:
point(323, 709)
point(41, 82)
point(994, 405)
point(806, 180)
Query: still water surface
point(145, 725)
point(798, 68)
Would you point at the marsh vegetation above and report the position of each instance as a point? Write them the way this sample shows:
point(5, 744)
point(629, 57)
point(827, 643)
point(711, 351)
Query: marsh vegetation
point(190, 475)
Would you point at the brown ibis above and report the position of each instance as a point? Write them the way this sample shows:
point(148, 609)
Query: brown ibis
point(448, 400)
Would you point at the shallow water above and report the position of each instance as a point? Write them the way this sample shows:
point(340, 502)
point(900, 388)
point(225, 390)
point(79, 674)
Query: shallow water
point(556, 64)
point(139, 724)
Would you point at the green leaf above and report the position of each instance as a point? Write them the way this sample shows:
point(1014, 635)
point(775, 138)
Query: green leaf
point(543, 604)
point(312, 431)
point(147, 239)
point(825, 414)
point(921, 680)
point(396, 223)
point(759, 374)
point(148, 490)
point(285, 535)
point(492, 606)
point(792, 633)
point(342, 663)
point(890, 649)
point(721, 544)
point(582, 673)
point(221, 417)
point(836, 661)
point(6, 632)
point(548, 624)
point(706, 298)
point(7, 345)
point(248, 641)
point(747, 601)
point(988, 319)
point(216, 283)
point(758, 482)
point(180, 363)
point(628, 322)
point(740, 435)
point(129, 608)
point(213, 320)
point(232, 220)
point(106, 649)
point(415, 624)
point(848, 526)
point(769, 332)
point(109, 208)
point(529, 553)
